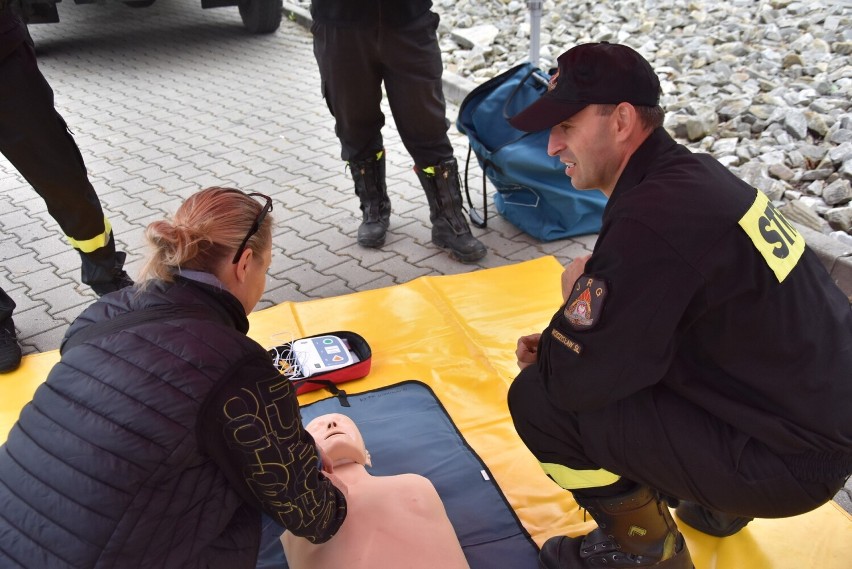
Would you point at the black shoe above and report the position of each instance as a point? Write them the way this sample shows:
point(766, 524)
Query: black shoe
point(119, 281)
point(711, 522)
point(463, 247)
point(372, 233)
point(450, 230)
point(104, 270)
point(372, 191)
point(635, 529)
point(10, 349)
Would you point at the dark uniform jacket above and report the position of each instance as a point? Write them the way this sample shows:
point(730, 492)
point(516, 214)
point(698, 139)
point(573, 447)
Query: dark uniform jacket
point(368, 12)
point(157, 446)
point(698, 283)
point(13, 31)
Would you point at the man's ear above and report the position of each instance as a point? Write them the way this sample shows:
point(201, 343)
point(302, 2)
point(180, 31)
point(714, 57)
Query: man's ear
point(626, 119)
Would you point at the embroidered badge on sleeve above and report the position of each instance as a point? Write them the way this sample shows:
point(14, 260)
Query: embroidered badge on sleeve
point(584, 306)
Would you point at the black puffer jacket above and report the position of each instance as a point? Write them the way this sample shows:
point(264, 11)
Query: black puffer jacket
point(121, 458)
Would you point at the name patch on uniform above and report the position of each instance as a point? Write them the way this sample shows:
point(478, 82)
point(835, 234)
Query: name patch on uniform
point(583, 309)
point(566, 341)
point(780, 245)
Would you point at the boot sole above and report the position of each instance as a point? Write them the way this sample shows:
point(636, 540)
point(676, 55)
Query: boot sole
point(468, 258)
point(371, 243)
point(681, 560)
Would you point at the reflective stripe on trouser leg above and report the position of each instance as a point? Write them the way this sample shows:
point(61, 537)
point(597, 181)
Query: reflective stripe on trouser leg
point(571, 479)
point(94, 243)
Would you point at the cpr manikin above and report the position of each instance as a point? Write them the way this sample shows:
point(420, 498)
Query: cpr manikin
point(391, 521)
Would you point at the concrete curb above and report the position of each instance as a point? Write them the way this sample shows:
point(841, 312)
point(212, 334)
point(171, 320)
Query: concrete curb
point(835, 256)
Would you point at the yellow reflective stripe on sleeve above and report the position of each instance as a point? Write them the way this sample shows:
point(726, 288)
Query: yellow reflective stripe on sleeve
point(571, 479)
point(93, 244)
point(777, 240)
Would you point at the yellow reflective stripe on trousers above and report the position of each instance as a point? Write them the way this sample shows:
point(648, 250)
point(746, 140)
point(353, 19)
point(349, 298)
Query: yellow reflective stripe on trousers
point(571, 479)
point(93, 244)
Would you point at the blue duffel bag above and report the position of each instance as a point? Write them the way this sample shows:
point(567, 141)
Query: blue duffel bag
point(533, 192)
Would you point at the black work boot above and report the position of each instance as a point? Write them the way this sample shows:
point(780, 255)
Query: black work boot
point(711, 522)
point(369, 178)
point(10, 349)
point(635, 529)
point(106, 277)
point(103, 268)
point(450, 230)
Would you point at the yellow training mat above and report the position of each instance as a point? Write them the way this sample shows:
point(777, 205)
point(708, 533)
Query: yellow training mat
point(457, 334)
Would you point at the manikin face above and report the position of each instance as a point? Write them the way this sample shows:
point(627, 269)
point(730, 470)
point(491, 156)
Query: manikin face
point(585, 144)
point(339, 437)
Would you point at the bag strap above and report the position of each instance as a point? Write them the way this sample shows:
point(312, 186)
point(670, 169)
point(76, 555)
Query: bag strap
point(329, 385)
point(531, 73)
point(131, 319)
point(480, 221)
point(476, 219)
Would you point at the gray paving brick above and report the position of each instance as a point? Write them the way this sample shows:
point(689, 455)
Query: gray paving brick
point(331, 289)
point(38, 330)
point(43, 279)
point(307, 279)
point(14, 220)
point(48, 246)
point(355, 275)
point(401, 270)
point(282, 291)
point(63, 302)
point(42, 341)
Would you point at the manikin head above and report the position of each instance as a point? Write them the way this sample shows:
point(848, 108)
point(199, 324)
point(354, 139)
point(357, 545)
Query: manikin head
point(338, 436)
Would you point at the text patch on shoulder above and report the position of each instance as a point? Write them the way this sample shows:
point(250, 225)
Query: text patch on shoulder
point(778, 242)
point(583, 309)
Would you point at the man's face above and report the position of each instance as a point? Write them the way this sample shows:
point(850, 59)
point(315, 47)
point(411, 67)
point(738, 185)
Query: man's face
point(585, 144)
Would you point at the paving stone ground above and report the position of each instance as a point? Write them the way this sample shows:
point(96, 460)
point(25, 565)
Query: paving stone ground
point(166, 100)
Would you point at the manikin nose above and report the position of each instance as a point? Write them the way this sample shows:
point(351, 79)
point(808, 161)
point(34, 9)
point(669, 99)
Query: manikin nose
point(331, 425)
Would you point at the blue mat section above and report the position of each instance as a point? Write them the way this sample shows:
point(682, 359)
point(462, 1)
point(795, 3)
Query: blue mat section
point(406, 429)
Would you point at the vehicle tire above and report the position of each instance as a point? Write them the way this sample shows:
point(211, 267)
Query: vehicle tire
point(139, 3)
point(261, 16)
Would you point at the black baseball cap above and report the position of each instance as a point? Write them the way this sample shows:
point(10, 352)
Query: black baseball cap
point(592, 73)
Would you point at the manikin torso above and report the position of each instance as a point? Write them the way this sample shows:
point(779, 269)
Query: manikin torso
point(394, 522)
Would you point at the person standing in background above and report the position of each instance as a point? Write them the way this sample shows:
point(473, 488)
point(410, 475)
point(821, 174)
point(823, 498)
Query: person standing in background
point(360, 44)
point(36, 140)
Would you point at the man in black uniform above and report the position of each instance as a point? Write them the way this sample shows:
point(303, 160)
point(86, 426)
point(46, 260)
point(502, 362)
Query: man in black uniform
point(36, 140)
point(358, 45)
point(702, 352)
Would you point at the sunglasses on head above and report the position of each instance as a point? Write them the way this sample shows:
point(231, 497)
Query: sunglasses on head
point(258, 221)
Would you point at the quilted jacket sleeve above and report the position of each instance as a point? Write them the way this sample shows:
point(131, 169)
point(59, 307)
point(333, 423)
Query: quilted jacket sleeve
point(252, 429)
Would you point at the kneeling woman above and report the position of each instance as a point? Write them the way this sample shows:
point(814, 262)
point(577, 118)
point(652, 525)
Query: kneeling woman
point(164, 432)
